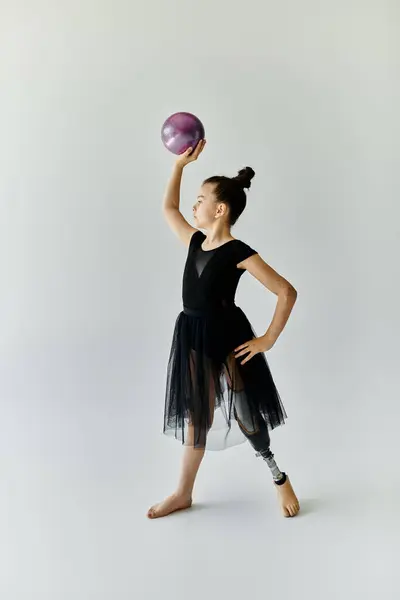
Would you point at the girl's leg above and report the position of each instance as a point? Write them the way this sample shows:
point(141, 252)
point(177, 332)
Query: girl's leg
point(256, 431)
point(259, 439)
point(182, 498)
point(192, 457)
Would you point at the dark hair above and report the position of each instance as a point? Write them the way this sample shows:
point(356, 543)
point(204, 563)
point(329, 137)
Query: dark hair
point(230, 190)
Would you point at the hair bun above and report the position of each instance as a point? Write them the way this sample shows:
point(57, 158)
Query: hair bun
point(244, 177)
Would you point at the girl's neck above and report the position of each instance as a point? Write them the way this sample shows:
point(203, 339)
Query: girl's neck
point(218, 237)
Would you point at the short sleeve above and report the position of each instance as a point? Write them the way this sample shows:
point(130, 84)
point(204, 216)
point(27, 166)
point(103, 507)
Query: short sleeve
point(243, 251)
point(197, 239)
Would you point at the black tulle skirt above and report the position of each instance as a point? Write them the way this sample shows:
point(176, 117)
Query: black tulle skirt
point(209, 393)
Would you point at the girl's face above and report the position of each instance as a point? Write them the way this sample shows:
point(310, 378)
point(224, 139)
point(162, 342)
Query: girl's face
point(207, 209)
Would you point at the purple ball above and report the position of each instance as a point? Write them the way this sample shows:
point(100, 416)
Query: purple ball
point(181, 131)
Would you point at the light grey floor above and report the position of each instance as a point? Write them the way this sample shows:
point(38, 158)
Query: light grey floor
point(82, 458)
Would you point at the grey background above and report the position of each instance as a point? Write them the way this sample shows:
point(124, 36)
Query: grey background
point(307, 94)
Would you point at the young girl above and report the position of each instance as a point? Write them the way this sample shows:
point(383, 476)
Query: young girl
point(217, 366)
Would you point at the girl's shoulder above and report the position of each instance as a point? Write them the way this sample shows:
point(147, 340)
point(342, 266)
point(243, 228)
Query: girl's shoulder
point(197, 238)
point(242, 251)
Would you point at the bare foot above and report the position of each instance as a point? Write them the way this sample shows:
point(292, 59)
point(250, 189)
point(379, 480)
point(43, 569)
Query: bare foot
point(169, 505)
point(287, 498)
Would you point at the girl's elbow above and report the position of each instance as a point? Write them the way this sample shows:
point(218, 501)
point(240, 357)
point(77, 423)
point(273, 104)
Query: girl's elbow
point(290, 292)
